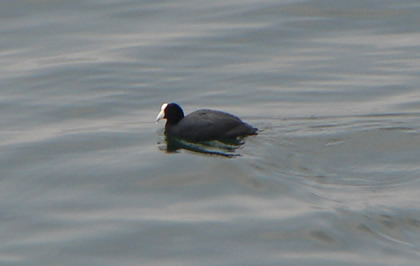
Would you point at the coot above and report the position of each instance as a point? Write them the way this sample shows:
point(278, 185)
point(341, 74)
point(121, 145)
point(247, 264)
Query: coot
point(203, 125)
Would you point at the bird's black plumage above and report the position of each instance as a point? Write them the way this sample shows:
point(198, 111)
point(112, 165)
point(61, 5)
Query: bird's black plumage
point(204, 125)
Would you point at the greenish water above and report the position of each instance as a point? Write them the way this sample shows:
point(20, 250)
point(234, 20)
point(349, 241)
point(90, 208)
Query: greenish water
point(332, 178)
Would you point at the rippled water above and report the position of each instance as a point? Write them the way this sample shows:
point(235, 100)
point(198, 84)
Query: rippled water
point(331, 179)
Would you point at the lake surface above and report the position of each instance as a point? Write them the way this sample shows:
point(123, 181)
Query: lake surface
point(333, 178)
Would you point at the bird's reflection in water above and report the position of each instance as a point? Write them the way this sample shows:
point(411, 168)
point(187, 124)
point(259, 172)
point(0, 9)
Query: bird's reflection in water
point(223, 148)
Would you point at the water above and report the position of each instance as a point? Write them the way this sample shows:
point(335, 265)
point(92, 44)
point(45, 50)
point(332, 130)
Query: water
point(332, 178)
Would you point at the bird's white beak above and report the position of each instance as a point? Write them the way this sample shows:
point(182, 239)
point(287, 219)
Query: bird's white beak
point(162, 112)
point(160, 116)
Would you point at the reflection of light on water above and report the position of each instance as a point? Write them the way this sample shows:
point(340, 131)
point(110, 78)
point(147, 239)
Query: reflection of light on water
point(225, 148)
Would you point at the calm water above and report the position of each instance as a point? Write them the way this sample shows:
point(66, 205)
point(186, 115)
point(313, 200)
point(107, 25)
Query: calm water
point(333, 178)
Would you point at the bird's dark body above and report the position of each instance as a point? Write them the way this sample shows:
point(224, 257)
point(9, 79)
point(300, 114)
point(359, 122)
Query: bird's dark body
point(207, 125)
